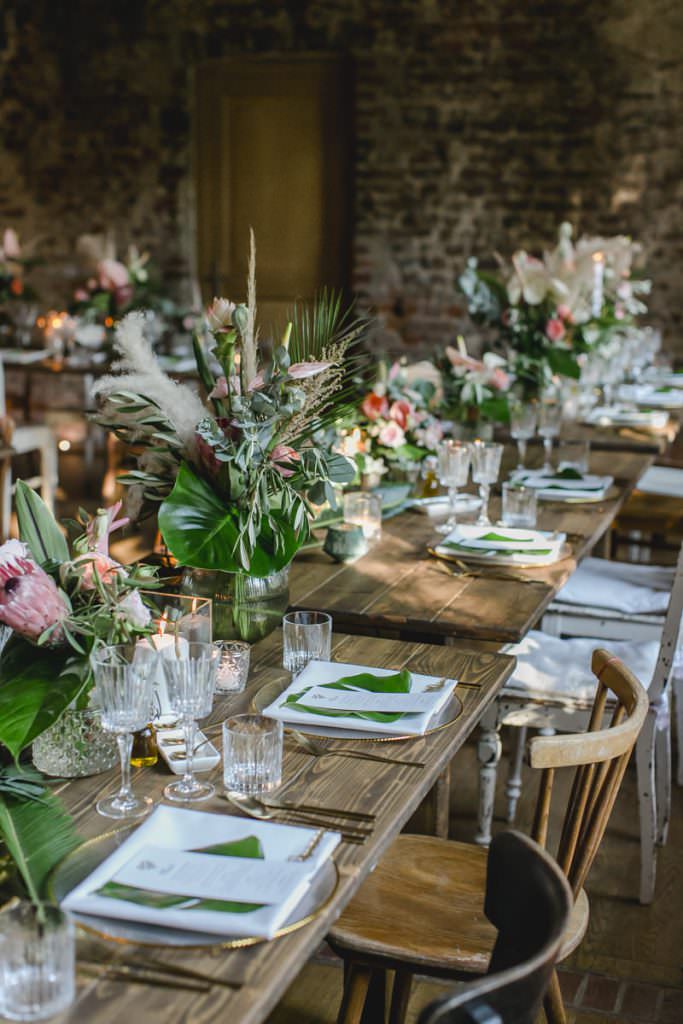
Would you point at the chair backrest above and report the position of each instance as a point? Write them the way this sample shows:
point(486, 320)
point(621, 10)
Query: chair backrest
point(600, 757)
point(670, 635)
point(529, 901)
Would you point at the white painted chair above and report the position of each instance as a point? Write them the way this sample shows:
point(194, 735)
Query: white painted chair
point(29, 438)
point(552, 689)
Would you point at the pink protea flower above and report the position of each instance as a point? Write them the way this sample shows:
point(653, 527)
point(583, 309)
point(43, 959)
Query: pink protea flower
point(102, 525)
point(554, 329)
point(373, 406)
point(107, 568)
point(282, 457)
point(29, 599)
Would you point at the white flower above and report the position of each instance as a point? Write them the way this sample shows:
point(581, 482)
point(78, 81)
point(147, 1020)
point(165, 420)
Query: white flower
point(532, 281)
point(134, 610)
point(219, 314)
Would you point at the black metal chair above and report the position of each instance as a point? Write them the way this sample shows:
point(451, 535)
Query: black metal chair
point(529, 901)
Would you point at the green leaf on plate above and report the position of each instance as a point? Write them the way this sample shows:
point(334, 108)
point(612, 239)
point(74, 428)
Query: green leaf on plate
point(250, 846)
point(399, 682)
point(568, 474)
point(467, 550)
point(509, 540)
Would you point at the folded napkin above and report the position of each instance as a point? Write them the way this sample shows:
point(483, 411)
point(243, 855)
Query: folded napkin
point(341, 680)
point(623, 416)
point(619, 586)
point(664, 480)
point(664, 378)
point(200, 872)
point(566, 483)
point(661, 395)
point(502, 544)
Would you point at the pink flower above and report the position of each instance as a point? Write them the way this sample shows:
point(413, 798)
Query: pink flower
point(124, 295)
point(102, 525)
point(257, 382)
point(554, 329)
point(394, 371)
point(219, 314)
point(29, 599)
point(565, 313)
point(456, 358)
point(400, 412)
point(282, 457)
point(499, 380)
point(373, 406)
point(391, 435)
point(80, 295)
point(107, 568)
point(112, 275)
point(299, 371)
point(220, 389)
point(11, 250)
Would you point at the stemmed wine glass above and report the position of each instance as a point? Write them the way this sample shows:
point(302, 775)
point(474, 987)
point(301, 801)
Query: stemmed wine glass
point(486, 458)
point(124, 678)
point(454, 467)
point(191, 681)
point(549, 423)
point(522, 426)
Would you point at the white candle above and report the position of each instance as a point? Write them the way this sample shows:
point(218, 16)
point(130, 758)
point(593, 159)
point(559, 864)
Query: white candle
point(169, 645)
point(598, 279)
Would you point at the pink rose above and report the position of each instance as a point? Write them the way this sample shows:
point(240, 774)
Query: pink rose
point(499, 380)
point(565, 313)
point(282, 457)
point(391, 435)
point(400, 411)
point(112, 275)
point(373, 406)
point(554, 329)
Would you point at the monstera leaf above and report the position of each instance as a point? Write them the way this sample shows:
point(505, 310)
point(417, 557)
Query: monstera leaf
point(37, 684)
point(201, 532)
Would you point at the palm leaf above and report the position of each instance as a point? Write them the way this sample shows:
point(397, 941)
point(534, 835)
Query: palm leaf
point(318, 326)
point(38, 833)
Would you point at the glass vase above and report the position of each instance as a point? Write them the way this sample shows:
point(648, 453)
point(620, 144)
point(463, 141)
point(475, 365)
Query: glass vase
point(244, 607)
point(75, 746)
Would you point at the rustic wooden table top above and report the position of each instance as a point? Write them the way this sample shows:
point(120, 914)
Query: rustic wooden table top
point(392, 792)
point(628, 439)
point(398, 589)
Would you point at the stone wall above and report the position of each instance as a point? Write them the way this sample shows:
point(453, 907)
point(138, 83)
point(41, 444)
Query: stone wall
point(479, 126)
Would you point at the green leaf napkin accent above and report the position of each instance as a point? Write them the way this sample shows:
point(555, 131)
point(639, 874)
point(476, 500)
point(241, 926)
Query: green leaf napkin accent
point(250, 846)
point(499, 536)
point(568, 474)
point(467, 550)
point(397, 683)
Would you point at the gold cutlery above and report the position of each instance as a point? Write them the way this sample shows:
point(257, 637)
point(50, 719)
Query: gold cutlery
point(139, 976)
point(316, 749)
point(148, 966)
point(255, 809)
point(310, 849)
point(333, 812)
point(181, 755)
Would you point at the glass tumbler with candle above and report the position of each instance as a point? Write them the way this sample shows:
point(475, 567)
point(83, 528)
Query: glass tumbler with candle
point(233, 665)
point(124, 679)
point(252, 754)
point(306, 636)
point(519, 505)
point(454, 468)
point(365, 510)
point(549, 423)
point(522, 425)
point(37, 961)
point(486, 456)
point(180, 619)
point(191, 681)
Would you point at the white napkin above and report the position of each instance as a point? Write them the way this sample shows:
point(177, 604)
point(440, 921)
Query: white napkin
point(665, 480)
point(622, 415)
point(318, 673)
point(175, 828)
point(550, 665)
point(651, 394)
point(552, 488)
point(504, 538)
point(604, 584)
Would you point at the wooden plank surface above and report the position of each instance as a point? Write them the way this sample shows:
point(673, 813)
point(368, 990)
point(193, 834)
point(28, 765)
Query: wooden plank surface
point(392, 792)
point(399, 586)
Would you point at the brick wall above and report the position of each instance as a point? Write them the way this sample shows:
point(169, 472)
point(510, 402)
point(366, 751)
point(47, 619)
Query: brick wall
point(480, 125)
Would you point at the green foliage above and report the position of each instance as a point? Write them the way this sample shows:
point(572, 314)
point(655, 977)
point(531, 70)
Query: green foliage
point(38, 527)
point(35, 828)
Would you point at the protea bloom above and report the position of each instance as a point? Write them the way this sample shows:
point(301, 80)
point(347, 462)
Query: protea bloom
point(29, 599)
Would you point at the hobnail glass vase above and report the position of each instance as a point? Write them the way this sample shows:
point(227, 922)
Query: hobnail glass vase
point(244, 607)
point(76, 745)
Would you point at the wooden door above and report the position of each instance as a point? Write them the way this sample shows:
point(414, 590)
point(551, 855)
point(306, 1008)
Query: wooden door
point(272, 151)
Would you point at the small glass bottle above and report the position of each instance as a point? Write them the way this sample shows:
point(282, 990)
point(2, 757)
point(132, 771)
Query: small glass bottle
point(145, 752)
point(429, 485)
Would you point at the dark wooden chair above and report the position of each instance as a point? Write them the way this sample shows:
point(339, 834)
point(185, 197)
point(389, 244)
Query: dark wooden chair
point(421, 911)
point(529, 901)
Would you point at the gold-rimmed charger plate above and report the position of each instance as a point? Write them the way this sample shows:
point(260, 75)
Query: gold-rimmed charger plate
point(449, 714)
point(82, 861)
point(499, 561)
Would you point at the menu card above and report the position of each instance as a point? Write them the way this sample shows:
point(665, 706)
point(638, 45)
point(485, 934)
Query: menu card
point(334, 695)
point(212, 873)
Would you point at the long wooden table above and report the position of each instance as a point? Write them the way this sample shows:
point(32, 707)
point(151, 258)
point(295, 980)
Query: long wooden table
point(392, 792)
point(399, 590)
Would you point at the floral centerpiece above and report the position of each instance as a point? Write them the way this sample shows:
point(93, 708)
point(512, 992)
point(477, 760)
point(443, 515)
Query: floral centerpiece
point(395, 424)
point(475, 390)
point(14, 263)
point(234, 476)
